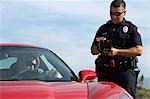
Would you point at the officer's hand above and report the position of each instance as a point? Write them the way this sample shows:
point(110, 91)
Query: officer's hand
point(100, 38)
point(112, 52)
point(94, 50)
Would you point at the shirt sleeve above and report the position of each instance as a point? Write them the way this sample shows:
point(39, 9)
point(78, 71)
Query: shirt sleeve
point(99, 33)
point(101, 30)
point(136, 37)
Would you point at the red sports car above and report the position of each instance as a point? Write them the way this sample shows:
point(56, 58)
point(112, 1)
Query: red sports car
point(30, 72)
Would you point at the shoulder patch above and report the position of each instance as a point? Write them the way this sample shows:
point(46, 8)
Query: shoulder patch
point(104, 33)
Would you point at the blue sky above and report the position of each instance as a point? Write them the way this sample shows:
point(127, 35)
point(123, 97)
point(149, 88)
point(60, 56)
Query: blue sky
point(68, 27)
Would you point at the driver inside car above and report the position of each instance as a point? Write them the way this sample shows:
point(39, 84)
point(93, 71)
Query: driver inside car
point(26, 64)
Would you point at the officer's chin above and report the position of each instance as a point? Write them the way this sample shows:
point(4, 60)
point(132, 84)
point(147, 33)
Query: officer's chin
point(114, 21)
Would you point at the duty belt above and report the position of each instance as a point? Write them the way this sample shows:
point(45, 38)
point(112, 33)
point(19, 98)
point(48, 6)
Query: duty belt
point(116, 63)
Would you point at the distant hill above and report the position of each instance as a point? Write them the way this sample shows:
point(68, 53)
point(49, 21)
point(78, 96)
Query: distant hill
point(142, 93)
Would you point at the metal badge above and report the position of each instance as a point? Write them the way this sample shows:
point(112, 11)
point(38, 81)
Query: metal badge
point(125, 29)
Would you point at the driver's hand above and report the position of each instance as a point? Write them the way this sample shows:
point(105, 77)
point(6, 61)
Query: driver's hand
point(40, 70)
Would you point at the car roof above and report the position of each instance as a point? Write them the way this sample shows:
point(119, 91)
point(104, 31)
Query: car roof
point(19, 45)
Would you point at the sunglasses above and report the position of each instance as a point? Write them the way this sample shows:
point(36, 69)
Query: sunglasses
point(116, 13)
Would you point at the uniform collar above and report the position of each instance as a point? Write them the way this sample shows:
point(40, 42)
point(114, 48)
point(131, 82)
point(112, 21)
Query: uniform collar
point(121, 23)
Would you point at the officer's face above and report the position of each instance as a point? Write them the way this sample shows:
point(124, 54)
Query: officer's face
point(117, 14)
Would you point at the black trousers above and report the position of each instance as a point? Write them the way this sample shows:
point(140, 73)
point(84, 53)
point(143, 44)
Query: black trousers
point(126, 78)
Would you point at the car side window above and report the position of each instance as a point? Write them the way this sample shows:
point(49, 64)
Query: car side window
point(7, 62)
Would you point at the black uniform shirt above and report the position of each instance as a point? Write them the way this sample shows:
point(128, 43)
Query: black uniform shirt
point(123, 35)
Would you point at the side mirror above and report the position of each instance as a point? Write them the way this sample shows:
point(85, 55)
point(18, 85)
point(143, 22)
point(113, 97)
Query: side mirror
point(87, 75)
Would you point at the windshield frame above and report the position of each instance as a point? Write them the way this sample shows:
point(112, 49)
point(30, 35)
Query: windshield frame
point(57, 62)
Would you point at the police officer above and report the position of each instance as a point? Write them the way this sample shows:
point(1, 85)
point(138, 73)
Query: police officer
point(118, 64)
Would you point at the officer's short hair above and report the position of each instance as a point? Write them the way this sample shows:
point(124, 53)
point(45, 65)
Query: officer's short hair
point(118, 3)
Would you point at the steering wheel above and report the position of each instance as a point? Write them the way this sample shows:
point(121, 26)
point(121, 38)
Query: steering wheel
point(30, 75)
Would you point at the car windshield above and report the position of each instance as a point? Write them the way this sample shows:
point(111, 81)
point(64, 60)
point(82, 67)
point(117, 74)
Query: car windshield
point(29, 63)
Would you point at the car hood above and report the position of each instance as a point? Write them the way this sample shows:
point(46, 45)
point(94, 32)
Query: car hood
point(42, 90)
